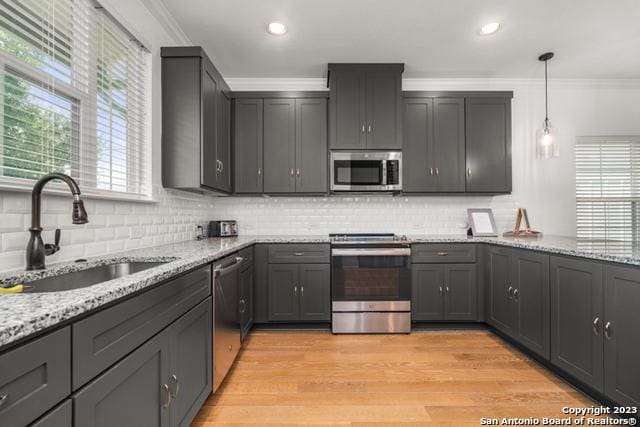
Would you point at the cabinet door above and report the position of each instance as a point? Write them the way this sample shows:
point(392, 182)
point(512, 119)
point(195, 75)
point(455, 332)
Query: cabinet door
point(223, 142)
point(279, 145)
point(247, 138)
point(209, 163)
point(448, 144)
point(384, 110)
point(501, 308)
point(315, 292)
point(427, 287)
point(417, 159)
point(622, 340)
point(347, 110)
point(460, 297)
point(576, 312)
point(311, 145)
point(190, 362)
point(531, 281)
point(133, 392)
point(61, 416)
point(488, 145)
point(283, 292)
point(246, 299)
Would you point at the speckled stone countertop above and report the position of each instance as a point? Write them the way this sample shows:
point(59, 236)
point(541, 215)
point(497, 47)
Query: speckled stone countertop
point(26, 314)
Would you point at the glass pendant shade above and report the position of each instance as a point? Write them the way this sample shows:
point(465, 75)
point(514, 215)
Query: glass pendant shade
point(547, 146)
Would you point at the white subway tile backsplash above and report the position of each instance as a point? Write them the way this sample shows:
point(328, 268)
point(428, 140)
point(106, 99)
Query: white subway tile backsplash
point(12, 222)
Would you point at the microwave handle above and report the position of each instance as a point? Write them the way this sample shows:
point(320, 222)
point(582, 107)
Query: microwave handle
point(384, 172)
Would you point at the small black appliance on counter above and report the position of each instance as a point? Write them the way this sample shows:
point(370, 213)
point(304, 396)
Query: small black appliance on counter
point(223, 228)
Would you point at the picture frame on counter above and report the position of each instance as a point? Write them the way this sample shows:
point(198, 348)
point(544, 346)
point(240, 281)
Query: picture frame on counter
point(482, 222)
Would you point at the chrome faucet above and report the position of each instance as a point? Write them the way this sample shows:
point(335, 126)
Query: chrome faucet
point(36, 249)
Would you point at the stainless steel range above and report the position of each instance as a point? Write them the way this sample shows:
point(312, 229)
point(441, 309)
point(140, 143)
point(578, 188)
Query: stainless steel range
point(370, 283)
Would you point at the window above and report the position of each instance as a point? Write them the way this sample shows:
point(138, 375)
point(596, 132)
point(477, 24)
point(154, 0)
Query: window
point(608, 188)
point(72, 97)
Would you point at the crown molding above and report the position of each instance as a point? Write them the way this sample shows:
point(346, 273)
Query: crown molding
point(167, 21)
point(462, 84)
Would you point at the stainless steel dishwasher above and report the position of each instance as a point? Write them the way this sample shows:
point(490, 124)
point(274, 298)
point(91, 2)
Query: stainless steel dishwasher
point(226, 330)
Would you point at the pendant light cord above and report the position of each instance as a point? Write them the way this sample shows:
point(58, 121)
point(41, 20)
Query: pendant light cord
point(546, 96)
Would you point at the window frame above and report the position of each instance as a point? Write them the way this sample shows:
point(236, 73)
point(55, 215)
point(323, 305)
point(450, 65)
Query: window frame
point(87, 160)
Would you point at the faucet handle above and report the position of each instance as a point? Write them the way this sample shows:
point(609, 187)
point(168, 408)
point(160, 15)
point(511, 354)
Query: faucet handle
point(50, 249)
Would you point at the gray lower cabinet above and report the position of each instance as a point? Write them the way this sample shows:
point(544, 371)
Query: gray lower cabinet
point(530, 279)
point(248, 146)
point(246, 300)
point(279, 145)
point(488, 145)
point(622, 334)
point(299, 292)
point(60, 416)
point(433, 145)
point(443, 292)
point(162, 383)
point(260, 283)
point(576, 319)
point(34, 377)
point(501, 313)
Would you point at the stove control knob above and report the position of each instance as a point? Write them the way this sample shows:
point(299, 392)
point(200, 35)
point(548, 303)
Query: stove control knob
point(403, 237)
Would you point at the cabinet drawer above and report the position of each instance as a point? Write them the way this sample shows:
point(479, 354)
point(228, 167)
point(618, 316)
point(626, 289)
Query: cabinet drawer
point(34, 377)
point(299, 253)
point(443, 253)
point(102, 339)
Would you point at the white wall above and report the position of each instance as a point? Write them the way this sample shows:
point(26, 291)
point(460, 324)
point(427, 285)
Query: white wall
point(545, 187)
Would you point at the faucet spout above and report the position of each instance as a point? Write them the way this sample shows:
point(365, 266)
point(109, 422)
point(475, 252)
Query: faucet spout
point(36, 248)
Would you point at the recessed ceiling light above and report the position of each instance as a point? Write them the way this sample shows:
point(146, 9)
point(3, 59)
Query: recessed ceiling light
point(276, 28)
point(489, 28)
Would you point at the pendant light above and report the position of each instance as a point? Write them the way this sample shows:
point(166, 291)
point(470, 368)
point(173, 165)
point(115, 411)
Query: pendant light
point(546, 139)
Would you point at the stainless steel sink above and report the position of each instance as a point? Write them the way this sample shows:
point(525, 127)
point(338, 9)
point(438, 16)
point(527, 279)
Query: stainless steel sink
point(88, 277)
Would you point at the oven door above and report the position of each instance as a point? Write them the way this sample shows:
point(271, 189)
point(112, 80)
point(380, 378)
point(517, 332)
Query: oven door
point(371, 274)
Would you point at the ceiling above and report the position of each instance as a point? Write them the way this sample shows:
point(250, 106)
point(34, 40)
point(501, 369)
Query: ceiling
point(434, 38)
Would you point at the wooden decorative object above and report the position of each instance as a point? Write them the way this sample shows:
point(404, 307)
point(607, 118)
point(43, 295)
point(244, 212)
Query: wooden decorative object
point(517, 231)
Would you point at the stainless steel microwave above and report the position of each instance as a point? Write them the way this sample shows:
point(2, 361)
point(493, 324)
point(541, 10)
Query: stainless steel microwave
point(366, 171)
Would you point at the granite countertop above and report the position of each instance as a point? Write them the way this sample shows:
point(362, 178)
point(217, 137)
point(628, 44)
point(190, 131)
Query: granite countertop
point(25, 314)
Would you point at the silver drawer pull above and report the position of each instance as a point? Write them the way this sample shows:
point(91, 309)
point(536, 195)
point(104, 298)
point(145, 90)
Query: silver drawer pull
point(174, 386)
point(3, 398)
point(442, 253)
point(299, 253)
point(166, 401)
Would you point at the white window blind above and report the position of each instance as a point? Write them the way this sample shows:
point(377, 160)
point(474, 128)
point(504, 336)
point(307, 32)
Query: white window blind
point(72, 96)
point(608, 188)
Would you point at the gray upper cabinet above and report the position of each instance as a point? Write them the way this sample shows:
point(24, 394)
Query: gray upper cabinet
point(195, 122)
point(621, 334)
point(488, 145)
point(577, 319)
point(433, 145)
point(531, 295)
point(279, 145)
point(248, 146)
point(311, 145)
point(365, 106)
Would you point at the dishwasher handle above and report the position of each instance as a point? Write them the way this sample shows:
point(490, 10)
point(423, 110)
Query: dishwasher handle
point(224, 269)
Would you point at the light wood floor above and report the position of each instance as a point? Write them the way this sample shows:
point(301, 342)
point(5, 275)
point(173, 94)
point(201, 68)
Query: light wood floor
point(440, 378)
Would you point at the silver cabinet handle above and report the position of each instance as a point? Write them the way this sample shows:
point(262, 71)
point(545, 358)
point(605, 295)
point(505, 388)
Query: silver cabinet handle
point(295, 291)
point(221, 166)
point(430, 171)
point(370, 127)
point(174, 386)
point(291, 172)
point(363, 129)
point(468, 171)
point(510, 292)
point(440, 290)
point(607, 331)
point(447, 290)
point(437, 171)
point(298, 254)
point(3, 398)
point(166, 400)
point(442, 253)
point(230, 348)
point(298, 171)
point(259, 171)
point(243, 306)
point(301, 291)
point(596, 326)
point(515, 294)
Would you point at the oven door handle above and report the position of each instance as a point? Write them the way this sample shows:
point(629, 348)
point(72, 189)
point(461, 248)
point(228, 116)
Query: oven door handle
point(371, 252)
